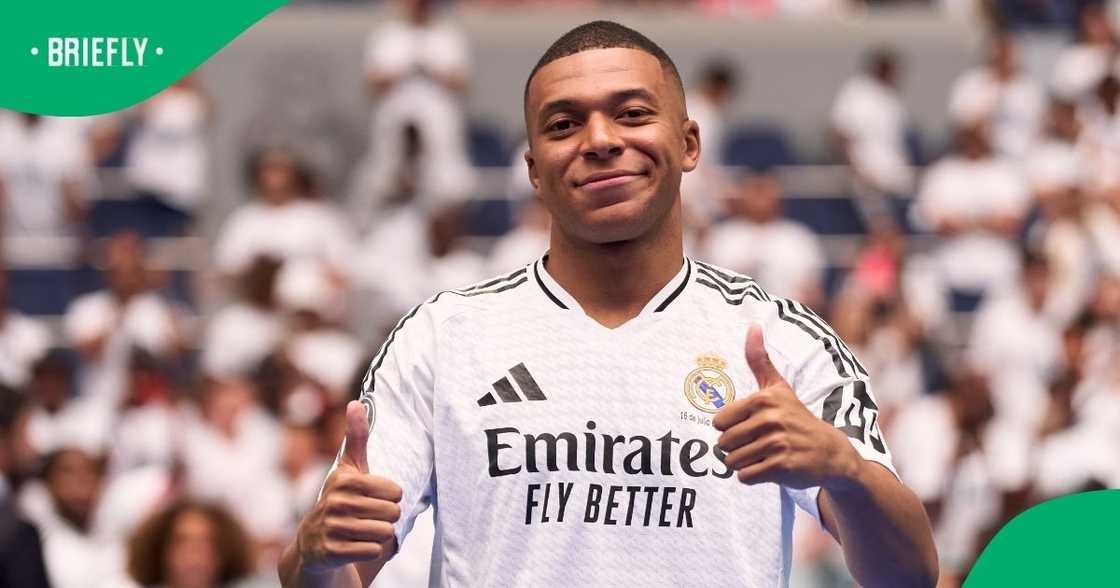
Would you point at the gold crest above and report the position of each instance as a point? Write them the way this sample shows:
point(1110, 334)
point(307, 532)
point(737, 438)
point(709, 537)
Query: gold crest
point(708, 387)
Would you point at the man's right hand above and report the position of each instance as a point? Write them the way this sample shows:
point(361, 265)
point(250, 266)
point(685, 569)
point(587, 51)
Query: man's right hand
point(353, 519)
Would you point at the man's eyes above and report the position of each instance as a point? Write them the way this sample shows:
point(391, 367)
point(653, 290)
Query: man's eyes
point(561, 126)
point(635, 113)
point(564, 125)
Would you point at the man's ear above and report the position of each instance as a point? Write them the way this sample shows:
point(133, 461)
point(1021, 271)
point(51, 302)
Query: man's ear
point(691, 155)
point(534, 179)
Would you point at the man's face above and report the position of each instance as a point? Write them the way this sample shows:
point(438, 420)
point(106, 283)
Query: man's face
point(608, 143)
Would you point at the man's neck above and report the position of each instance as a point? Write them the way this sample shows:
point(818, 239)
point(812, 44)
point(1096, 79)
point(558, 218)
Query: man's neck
point(614, 282)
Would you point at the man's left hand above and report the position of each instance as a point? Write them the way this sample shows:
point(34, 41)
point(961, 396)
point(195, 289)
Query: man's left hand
point(770, 436)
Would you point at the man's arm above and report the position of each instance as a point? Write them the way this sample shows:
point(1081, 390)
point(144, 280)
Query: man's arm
point(881, 527)
point(356, 575)
point(345, 539)
point(770, 436)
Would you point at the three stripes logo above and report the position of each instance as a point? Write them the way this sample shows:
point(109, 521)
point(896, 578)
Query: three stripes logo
point(506, 392)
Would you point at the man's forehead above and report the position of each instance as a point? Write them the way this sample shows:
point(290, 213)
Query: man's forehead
point(631, 68)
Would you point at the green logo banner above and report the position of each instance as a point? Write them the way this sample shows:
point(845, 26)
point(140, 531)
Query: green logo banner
point(74, 57)
point(1067, 541)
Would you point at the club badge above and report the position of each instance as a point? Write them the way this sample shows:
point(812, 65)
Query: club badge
point(708, 387)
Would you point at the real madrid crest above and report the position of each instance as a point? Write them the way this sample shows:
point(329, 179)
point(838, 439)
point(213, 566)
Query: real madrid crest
point(708, 387)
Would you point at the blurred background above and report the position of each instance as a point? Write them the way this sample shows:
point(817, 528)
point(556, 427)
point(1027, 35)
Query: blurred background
point(192, 287)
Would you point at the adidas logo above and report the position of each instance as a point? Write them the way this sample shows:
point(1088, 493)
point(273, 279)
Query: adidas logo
point(506, 392)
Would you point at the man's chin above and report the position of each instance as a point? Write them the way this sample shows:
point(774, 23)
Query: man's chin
point(603, 229)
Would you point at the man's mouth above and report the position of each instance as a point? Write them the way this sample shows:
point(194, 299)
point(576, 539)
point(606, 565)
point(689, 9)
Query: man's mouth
point(604, 180)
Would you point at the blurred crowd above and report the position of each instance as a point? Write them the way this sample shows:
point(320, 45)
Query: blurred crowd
point(147, 441)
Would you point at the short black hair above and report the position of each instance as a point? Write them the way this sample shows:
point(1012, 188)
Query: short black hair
point(603, 34)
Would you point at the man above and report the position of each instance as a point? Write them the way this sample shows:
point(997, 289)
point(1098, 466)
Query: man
point(869, 120)
point(1003, 95)
point(705, 188)
point(542, 412)
point(785, 254)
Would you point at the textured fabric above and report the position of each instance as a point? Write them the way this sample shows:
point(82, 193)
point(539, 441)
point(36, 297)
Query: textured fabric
point(557, 451)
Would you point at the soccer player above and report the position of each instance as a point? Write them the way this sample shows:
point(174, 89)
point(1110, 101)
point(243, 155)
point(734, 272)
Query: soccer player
point(613, 413)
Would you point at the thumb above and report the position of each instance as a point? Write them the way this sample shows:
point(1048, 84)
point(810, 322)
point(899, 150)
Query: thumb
point(357, 433)
point(759, 361)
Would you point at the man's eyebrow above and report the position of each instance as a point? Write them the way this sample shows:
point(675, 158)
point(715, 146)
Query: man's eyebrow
point(563, 104)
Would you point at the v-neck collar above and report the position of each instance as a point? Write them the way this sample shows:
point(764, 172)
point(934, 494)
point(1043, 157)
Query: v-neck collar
point(562, 300)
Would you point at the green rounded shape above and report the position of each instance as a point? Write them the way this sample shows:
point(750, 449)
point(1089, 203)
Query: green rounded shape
point(1068, 541)
point(76, 57)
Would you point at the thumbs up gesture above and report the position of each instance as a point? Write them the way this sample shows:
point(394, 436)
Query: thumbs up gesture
point(353, 520)
point(770, 436)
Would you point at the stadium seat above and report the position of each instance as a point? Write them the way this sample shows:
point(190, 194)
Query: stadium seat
point(964, 301)
point(833, 280)
point(915, 147)
point(759, 147)
point(488, 217)
point(487, 147)
point(825, 215)
point(143, 214)
point(48, 292)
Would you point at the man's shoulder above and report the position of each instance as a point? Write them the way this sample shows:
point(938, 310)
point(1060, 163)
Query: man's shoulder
point(739, 292)
point(792, 328)
point(498, 292)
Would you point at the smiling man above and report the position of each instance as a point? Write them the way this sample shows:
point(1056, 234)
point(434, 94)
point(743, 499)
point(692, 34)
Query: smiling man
point(614, 413)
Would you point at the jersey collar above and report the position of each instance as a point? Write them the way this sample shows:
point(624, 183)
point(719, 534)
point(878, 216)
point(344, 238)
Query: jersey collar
point(560, 298)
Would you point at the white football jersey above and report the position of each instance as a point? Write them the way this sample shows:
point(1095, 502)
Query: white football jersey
point(556, 451)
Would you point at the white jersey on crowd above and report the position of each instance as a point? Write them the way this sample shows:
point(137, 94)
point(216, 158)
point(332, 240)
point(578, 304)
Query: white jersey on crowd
point(557, 451)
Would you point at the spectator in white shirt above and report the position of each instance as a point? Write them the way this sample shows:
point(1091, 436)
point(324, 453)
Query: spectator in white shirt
point(1103, 221)
point(704, 188)
point(976, 202)
point(1100, 141)
point(1002, 94)
point(128, 313)
point(969, 472)
point(230, 453)
point(288, 220)
point(1061, 234)
point(417, 69)
point(783, 255)
point(77, 551)
point(1080, 436)
point(1080, 67)
point(107, 326)
point(529, 238)
point(241, 335)
point(23, 341)
point(1017, 345)
point(167, 157)
point(870, 119)
point(415, 251)
point(45, 171)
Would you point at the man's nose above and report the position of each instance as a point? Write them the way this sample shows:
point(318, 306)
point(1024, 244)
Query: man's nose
point(602, 139)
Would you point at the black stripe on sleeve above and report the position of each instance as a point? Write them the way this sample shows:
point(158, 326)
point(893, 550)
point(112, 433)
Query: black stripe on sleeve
point(726, 277)
point(726, 298)
point(798, 310)
point(815, 318)
point(750, 288)
point(828, 346)
point(677, 292)
point(551, 296)
point(496, 280)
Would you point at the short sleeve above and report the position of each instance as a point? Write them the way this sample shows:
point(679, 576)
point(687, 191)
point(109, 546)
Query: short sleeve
point(397, 392)
point(829, 379)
